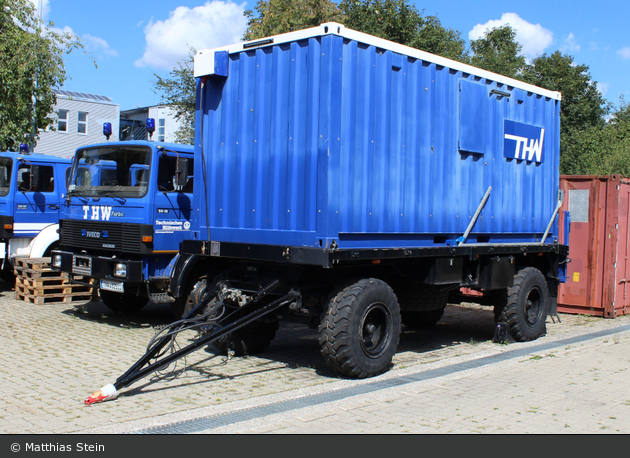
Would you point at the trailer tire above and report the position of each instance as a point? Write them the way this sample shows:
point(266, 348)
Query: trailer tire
point(248, 340)
point(126, 303)
point(525, 308)
point(420, 297)
point(421, 320)
point(360, 330)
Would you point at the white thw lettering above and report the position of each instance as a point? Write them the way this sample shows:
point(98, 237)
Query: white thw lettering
point(534, 148)
point(94, 212)
point(86, 209)
point(106, 212)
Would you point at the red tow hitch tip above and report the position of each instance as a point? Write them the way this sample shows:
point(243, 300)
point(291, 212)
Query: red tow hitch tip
point(106, 393)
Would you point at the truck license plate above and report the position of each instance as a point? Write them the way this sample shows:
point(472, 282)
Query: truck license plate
point(113, 286)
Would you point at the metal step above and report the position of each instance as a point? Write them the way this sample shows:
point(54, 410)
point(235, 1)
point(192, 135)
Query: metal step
point(161, 298)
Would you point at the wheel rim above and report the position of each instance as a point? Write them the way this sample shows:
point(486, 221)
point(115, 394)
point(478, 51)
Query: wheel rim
point(533, 306)
point(375, 332)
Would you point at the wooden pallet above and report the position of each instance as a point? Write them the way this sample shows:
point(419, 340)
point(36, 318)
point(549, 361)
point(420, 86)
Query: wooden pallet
point(51, 290)
point(35, 268)
point(40, 300)
point(37, 283)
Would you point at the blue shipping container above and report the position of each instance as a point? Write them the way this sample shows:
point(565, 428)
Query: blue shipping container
point(330, 135)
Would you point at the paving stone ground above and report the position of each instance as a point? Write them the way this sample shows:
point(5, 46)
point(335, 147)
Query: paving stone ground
point(55, 355)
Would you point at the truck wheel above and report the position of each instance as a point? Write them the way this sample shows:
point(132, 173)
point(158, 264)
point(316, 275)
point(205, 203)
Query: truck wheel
point(248, 340)
point(421, 320)
point(8, 275)
point(123, 302)
point(525, 309)
point(360, 330)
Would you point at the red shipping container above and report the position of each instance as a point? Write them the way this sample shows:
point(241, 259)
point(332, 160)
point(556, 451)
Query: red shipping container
point(599, 244)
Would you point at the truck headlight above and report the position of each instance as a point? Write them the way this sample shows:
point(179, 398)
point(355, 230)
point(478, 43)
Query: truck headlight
point(120, 270)
point(56, 260)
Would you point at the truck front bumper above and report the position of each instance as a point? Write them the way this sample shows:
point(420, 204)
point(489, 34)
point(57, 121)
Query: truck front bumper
point(99, 267)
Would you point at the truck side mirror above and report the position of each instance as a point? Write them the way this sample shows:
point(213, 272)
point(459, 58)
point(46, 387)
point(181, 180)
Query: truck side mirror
point(181, 174)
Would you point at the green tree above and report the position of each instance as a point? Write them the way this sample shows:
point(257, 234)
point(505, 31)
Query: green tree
point(499, 52)
point(583, 111)
point(31, 65)
point(401, 22)
point(583, 105)
point(179, 94)
point(394, 20)
point(623, 113)
point(273, 17)
point(598, 150)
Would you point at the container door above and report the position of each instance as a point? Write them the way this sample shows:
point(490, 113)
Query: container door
point(585, 199)
point(621, 300)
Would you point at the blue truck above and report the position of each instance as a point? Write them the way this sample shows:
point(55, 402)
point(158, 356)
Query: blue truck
point(357, 186)
point(32, 187)
point(128, 207)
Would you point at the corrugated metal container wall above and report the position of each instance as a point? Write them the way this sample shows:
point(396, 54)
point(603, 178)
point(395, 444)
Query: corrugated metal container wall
point(599, 244)
point(327, 138)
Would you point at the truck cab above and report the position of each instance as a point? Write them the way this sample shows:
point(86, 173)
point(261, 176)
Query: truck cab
point(32, 187)
point(128, 207)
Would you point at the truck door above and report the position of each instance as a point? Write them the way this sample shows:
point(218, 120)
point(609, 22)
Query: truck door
point(37, 204)
point(173, 207)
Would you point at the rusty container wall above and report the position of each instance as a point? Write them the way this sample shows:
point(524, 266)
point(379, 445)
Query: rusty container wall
point(599, 245)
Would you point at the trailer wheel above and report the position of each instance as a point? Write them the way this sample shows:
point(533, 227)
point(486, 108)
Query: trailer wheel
point(248, 340)
point(360, 330)
point(525, 309)
point(420, 297)
point(421, 320)
point(123, 302)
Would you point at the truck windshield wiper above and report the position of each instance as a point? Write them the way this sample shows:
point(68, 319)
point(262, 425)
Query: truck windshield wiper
point(75, 193)
point(111, 194)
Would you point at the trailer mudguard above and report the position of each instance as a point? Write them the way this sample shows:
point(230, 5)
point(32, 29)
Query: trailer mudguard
point(44, 240)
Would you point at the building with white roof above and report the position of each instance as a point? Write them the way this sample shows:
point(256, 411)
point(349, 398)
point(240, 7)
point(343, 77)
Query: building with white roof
point(79, 119)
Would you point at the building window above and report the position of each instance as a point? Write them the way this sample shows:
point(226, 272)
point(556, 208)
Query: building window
point(82, 120)
point(62, 122)
point(161, 124)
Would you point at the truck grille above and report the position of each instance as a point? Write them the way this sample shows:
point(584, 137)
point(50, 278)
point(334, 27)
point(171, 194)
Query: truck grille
point(103, 236)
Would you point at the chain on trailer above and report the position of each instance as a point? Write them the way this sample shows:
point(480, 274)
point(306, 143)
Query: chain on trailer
point(210, 321)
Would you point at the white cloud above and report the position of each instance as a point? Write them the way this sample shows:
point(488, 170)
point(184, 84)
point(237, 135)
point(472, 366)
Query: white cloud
point(45, 5)
point(570, 44)
point(214, 24)
point(603, 88)
point(624, 52)
point(94, 45)
point(534, 38)
point(98, 45)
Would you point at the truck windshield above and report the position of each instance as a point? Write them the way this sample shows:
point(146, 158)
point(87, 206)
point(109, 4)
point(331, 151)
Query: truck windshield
point(116, 171)
point(6, 165)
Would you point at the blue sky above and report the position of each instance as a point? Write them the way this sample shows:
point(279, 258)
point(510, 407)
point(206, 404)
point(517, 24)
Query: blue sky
point(133, 40)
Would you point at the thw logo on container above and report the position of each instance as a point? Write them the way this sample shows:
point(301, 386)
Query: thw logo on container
point(99, 213)
point(523, 141)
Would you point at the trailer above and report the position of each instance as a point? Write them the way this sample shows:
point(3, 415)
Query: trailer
point(357, 185)
point(32, 187)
